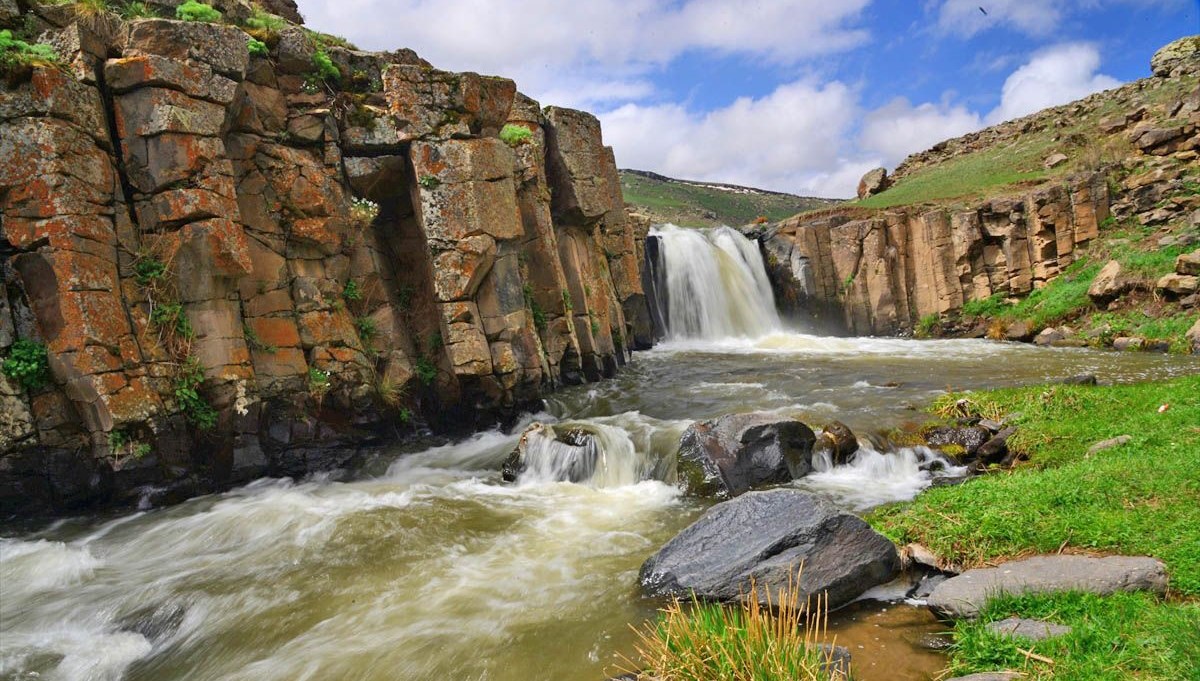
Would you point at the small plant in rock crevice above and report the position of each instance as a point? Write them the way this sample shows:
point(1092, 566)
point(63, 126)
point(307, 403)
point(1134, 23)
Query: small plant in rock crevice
point(367, 329)
point(429, 182)
point(16, 54)
point(148, 270)
point(351, 291)
point(197, 11)
point(515, 135)
point(363, 212)
point(425, 371)
point(257, 48)
point(27, 364)
point(324, 68)
point(123, 447)
point(187, 394)
point(137, 10)
point(318, 383)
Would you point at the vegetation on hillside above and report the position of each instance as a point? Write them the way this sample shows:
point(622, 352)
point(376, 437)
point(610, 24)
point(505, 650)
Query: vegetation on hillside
point(696, 204)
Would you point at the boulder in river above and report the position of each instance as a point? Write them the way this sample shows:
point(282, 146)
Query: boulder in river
point(738, 452)
point(768, 537)
point(969, 438)
point(965, 595)
point(838, 441)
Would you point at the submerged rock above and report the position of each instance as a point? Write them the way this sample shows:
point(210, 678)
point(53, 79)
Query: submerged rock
point(738, 452)
point(768, 537)
point(568, 455)
point(965, 595)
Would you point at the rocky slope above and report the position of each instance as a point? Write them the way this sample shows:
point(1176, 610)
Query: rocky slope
point(219, 264)
point(964, 232)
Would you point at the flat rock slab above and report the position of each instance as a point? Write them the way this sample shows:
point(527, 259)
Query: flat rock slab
point(988, 676)
point(965, 595)
point(1109, 443)
point(1033, 630)
point(765, 537)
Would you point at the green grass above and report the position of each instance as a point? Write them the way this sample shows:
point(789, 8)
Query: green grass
point(1142, 498)
point(197, 11)
point(1137, 323)
point(1064, 297)
point(971, 175)
point(695, 641)
point(690, 205)
point(1123, 636)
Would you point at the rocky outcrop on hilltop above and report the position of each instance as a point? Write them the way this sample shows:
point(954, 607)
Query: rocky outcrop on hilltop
point(1132, 164)
point(225, 256)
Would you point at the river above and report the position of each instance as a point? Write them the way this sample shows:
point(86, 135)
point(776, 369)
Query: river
point(425, 565)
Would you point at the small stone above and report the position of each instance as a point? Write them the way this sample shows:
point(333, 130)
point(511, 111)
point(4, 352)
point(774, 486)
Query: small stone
point(1018, 331)
point(934, 642)
point(1109, 443)
point(1048, 336)
point(1127, 343)
point(1178, 284)
point(1188, 263)
point(989, 676)
point(1055, 160)
point(1193, 336)
point(1080, 379)
point(835, 661)
point(1108, 284)
point(1034, 630)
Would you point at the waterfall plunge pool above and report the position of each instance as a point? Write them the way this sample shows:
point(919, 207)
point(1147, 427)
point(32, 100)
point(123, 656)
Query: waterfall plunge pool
point(426, 566)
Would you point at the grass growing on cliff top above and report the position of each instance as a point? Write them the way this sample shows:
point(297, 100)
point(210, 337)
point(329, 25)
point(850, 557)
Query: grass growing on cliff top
point(1122, 636)
point(969, 176)
point(1142, 498)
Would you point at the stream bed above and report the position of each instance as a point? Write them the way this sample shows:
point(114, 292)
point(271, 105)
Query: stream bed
point(426, 565)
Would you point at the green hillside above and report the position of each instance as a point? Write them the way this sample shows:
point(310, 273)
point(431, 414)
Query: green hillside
point(707, 204)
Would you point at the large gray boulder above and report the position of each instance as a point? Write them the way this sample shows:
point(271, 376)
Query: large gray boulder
point(767, 537)
point(737, 452)
point(964, 595)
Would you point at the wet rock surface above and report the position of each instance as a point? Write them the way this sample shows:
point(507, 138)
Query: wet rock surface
point(766, 537)
point(738, 452)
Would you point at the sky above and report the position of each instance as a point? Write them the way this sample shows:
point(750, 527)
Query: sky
point(802, 96)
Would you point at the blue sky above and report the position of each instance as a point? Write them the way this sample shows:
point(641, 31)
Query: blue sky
point(794, 95)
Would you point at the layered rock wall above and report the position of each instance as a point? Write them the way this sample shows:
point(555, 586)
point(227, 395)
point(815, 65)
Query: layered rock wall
point(880, 273)
point(239, 268)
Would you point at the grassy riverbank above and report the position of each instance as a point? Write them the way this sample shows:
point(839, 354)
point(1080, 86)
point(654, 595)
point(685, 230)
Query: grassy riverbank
point(1141, 498)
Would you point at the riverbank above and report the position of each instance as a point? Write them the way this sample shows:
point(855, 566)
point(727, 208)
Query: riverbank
point(1138, 498)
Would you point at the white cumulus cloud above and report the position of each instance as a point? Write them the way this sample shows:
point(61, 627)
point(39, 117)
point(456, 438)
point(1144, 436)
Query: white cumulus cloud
point(790, 140)
point(898, 128)
point(1053, 76)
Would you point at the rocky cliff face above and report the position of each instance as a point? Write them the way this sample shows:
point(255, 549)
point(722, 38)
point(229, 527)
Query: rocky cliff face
point(239, 267)
point(881, 273)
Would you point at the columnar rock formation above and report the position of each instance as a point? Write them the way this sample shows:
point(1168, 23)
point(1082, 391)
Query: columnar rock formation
point(179, 215)
point(879, 273)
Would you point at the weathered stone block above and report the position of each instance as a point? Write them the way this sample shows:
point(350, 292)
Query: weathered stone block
point(431, 103)
point(221, 47)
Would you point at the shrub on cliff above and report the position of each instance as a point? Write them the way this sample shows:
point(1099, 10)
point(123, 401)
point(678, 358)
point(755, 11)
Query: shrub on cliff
point(513, 135)
point(27, 364)
point(16, 53)
point(197, 11)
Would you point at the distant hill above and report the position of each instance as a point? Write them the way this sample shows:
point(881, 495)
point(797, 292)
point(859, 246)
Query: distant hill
point(705, 204)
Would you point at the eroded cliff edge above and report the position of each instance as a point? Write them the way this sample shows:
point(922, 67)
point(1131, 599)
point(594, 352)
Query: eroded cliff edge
point(240, 265)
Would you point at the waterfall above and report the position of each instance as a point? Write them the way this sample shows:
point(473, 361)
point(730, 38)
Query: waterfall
point(709, 284)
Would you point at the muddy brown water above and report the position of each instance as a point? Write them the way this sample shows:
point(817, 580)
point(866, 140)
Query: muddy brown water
point(426, 566)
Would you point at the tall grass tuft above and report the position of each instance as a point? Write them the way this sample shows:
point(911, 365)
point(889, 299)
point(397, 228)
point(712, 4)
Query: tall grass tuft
point(697, 641)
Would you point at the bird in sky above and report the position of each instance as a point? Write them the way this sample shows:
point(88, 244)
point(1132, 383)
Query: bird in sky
point(983, 10)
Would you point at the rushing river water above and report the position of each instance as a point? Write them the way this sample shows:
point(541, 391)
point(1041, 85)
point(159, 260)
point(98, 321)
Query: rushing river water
point(423, 566)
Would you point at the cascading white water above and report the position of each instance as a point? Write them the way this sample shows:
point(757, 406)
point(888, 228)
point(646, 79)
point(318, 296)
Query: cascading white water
point(716, 285)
